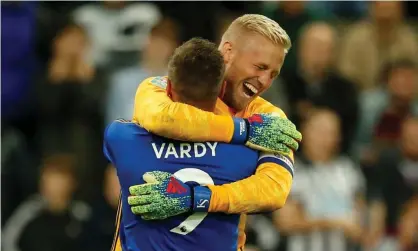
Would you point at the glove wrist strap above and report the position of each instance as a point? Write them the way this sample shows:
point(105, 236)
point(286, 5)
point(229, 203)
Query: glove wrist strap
point(240, 135)
point(201, 199)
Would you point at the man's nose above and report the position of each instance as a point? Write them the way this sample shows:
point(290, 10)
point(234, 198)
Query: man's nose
point(265, 79)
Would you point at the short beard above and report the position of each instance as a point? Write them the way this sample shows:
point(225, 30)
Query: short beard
point(229, 100)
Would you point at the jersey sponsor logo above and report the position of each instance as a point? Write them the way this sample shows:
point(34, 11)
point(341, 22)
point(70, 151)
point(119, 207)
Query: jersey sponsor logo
point(175, 187)
point(160, 82)
point(202, 203)
point(185, 150)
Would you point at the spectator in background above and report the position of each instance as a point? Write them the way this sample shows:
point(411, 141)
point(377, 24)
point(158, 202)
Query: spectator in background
point(383, 110)
point(278, 96)
point(70, 99)
point(408, 226)
point(100, 228)
point(50, 220)
point(403, 85)
point(292, 16)
point(394, 188)
point(18, 65)
point(18, 172)
point(343, 9)
point(118, 30)
point(261, 233)
point(162, 41)
point(324, 210)
point(371, 43)
point(316, 83)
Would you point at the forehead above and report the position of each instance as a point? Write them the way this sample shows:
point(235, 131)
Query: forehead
point(402, 72)
point(260, 48)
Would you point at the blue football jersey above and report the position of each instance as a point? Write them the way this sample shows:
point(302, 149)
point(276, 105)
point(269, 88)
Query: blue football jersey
point(134, 151)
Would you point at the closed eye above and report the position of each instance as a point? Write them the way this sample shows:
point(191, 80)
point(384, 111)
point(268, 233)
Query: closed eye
point(261, 67)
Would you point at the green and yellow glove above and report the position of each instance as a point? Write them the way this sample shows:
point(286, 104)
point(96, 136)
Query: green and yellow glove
point(163, 196)
point(267, 132)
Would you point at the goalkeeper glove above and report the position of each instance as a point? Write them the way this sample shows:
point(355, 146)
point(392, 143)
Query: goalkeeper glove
point(267, 132)
point(163, 196)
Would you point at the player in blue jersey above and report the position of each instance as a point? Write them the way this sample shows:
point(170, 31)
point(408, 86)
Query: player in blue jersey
point(196, 78)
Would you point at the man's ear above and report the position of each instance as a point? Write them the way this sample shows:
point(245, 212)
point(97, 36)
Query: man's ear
point(169, 88)
point(226, 50)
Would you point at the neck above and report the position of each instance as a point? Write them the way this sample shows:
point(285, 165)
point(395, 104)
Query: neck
point(313, 76)
point(317, 156)
point(58, 205)
point(385, 31)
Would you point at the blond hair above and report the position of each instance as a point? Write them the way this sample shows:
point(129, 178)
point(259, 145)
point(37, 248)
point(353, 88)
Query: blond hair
point(262, 25)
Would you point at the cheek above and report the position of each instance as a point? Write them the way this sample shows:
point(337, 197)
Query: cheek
point(241, 69)
point(268, 85)
point(232, 75)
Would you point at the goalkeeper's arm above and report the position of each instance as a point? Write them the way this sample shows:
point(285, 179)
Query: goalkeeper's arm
point(265, 191)
point(156, 112)
point(269, 187)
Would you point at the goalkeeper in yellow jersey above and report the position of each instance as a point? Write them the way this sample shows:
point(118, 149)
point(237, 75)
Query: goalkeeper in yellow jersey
point(254, 49)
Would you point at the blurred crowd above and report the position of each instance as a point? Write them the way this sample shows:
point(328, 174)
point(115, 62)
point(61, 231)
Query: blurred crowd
point(350, 83)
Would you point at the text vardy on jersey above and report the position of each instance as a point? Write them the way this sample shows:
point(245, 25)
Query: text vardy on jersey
point(184, 150)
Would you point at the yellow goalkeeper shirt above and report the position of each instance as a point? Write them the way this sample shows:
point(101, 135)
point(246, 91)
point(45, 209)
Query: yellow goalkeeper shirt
point(266, 190)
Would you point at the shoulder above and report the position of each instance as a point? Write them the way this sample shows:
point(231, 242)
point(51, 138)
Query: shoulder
point(149, 10)
point(82, 14)
point(350, 169)
point(345, 162)
point(408, 33)
point(121, 129)
point(340, 82)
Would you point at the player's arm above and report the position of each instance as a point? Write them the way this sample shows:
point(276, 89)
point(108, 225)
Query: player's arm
point(156, 112)
point(267, 190)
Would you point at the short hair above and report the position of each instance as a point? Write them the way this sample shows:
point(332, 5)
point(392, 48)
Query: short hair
point(61, 163)
point(317, 24)
point(264, 26)
point(196, 70)
point(167, 28)
point(393, 65)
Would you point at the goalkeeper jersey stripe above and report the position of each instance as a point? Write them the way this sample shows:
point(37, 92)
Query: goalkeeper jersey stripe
point(134, 151)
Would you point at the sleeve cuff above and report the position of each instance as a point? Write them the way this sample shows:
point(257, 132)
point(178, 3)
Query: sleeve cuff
point(201, 199)
point(240, 131)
